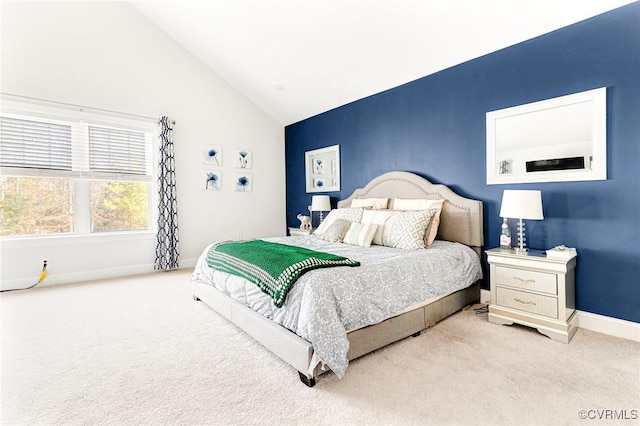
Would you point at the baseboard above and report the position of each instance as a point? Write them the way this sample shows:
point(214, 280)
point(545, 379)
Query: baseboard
point(188, 263)
point(79, 277)
point(609, 325)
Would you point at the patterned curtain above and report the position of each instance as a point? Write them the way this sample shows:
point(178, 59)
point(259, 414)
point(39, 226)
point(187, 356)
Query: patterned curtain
point(167, 252)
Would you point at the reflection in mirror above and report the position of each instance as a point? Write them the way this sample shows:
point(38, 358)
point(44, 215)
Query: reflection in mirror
point(559, 139)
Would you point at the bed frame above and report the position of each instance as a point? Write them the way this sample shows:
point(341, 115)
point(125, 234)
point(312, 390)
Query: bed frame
point(460, 221)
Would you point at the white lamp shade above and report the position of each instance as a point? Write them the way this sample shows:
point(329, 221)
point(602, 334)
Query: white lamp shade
point(320, 203)
point(521, 204)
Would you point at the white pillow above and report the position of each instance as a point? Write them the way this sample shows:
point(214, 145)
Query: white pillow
point(382, 218)
point(373, 203)
point(360, 234)
point(411, 203)
point(352, 215)
point(409, 228)
point(423, 204)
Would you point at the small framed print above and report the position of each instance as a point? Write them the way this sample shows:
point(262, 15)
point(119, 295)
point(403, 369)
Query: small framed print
point(318, 166)
point(213, 180)
point(212, 155)
point(242, 159)
point(244, 182)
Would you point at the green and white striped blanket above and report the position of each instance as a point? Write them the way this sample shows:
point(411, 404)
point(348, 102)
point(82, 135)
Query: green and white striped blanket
point(273, 267)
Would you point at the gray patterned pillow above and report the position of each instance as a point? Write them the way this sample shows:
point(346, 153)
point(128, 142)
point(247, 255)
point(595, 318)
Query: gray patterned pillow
point(409, 228)
point(352, 215)
point(336, 232)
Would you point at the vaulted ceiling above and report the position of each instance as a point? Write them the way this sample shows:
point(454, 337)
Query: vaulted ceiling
point(299, 58)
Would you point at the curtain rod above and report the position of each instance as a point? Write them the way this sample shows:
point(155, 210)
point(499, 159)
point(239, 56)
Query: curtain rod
point(80, 107)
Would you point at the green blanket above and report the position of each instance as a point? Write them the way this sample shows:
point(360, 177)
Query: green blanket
point(273, 267)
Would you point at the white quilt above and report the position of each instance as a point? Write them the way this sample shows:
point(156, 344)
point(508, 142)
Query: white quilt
point(326, 303)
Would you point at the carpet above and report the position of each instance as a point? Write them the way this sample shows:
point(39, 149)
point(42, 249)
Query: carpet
point(139, 350)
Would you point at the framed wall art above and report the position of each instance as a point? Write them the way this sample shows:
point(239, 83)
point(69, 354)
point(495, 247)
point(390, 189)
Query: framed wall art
point(242, 159)
point(213, 180)
point(322, 169)
point(212, 155)
point(244, 182)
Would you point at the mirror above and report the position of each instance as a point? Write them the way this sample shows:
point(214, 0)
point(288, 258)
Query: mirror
point(322, 168)
point(555, 140)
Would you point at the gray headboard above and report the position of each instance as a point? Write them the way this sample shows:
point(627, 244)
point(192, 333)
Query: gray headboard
point(460, 220)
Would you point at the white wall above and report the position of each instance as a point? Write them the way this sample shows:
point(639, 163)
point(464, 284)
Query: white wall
point(106, 55)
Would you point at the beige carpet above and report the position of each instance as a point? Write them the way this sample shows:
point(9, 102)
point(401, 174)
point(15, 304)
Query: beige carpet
point(141, 351)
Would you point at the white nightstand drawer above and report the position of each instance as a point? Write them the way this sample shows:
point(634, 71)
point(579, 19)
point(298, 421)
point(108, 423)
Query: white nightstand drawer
point(523, 301)
point(528, 280)
point(534, 291)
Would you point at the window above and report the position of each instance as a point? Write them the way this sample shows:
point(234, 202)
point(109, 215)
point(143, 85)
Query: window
point(119, 206)
point(35, 205)
point(73, 172)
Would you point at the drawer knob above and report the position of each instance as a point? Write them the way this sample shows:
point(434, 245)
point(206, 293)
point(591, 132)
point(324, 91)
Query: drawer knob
point(530, 280)
point(523, 302)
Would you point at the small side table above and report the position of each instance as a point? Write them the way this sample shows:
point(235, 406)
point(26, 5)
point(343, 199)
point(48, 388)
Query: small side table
point(298, 231)
point(535, 291)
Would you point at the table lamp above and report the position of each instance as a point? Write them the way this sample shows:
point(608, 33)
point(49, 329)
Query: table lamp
point(521, 204)
point(320, 203)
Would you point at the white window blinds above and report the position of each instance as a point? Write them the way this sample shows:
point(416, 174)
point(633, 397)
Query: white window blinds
point(117, 151)
point(45, 140)
point(35, 144)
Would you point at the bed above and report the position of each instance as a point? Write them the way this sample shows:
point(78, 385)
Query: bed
point(304, 332)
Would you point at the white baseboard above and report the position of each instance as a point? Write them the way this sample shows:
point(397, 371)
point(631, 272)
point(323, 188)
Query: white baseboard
point(188, 263)
point(94, 275)
point(609, 325)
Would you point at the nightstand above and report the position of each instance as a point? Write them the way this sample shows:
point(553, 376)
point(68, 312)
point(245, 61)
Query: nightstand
point(298, 231)
point(534, 291)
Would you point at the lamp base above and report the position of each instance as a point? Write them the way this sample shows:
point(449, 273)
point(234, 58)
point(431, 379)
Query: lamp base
point(521, 251)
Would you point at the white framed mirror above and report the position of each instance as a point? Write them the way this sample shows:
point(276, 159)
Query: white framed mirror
point(322, 169)
point(555, 140)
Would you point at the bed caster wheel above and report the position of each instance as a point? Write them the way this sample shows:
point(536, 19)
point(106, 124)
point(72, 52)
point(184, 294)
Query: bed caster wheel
point(309, 381)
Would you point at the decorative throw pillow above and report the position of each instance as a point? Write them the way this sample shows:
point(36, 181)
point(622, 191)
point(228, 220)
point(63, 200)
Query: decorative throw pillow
point(336, 231)
point(432, 230)
point(423, 204)
point(351, 215)
point(360, 234)
point(409, 228)
point(372, 203)
point(382, 218)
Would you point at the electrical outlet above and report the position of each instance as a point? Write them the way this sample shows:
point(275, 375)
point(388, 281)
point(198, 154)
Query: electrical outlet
point(485, 296)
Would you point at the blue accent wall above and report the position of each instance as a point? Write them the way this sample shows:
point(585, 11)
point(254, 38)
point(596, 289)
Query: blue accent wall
point(435, 127)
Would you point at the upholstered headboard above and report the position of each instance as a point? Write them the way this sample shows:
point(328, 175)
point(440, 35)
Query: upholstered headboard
point(460, 220)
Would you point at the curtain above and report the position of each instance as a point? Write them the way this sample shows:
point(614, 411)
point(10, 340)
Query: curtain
point(167, 252)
